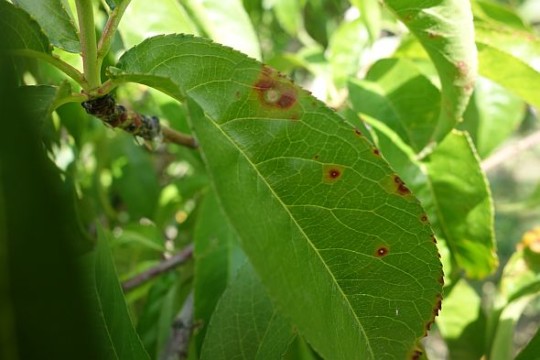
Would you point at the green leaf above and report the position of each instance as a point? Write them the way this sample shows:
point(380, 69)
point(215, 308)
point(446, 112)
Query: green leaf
point(337, 239)
point(245, 324)
point(445, 30)
point(143, 19)
point(370, 15)
point(55, 21)
point(119, 339)
point(462, 322)
point(489, 10)
point(492, 115)
point(289, 15)
point(396, 93)
point(43, 99)
point(227, 23)
point(20, 31)
point(218, 258)
point(510, 57)
point(463, 204)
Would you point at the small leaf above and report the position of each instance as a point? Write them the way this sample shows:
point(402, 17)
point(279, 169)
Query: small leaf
point(463, 203)
point(119, 339)
point(55, 21)
point(317, 210)
point(20, 31)
point(492, 115)
point(246, 324)
point(445, 30)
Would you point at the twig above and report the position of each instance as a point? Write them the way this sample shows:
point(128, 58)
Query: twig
point(178, 343)
point(87, 34)
point(178, 138)
point(109, 30)
point(511, 150)
point(164, 266)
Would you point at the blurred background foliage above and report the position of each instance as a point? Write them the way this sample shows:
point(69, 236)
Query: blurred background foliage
point(150, 202)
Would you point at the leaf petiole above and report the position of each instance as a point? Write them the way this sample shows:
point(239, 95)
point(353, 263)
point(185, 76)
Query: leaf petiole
point(109, 30)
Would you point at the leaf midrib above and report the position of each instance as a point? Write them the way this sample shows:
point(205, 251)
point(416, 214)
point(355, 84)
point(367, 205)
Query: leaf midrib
point(284, 206)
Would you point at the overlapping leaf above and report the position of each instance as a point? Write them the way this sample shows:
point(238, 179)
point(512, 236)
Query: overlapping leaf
point(338, 240)
point(20, 31)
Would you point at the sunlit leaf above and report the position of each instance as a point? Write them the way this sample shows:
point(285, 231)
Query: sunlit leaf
point(445, 30)
point(246, 324)
point(463, 204)
point(317, 210)
point(55, 22)
point(227, 23)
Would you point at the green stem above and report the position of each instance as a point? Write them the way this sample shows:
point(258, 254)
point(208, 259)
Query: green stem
point(56, 62)
point(87, 34)
point(109, 30)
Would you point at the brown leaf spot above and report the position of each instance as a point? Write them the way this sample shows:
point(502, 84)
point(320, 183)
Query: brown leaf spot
point(416, 354)
point(441, 280)
point(358, 132)
point(433, 239)
point(316, 157)
point(275, 89)
point(462, 68)
point(400, 186)
point(376, 152)
point(332, 173)
point(424, 219)
point(381, 251)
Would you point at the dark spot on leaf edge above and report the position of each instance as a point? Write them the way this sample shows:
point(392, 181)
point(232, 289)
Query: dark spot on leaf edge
point(400, 186)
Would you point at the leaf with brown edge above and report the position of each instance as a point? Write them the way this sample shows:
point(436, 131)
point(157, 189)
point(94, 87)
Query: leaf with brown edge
point(342, 253)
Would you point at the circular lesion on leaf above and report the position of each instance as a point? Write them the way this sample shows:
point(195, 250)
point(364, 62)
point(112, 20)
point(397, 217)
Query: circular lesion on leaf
point(275, 90)
point(382, 251)
point(332, 173)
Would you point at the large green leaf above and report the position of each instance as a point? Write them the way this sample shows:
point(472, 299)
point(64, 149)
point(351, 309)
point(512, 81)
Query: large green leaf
point(55, 22)
point(245, 324)
point(462, 200)
point(445, 30)
point(118, 337)
point(396, 93)
point(20, 31)
point(337, 238)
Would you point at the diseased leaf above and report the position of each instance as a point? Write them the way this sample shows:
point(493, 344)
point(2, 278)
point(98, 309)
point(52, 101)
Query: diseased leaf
point(395, 93)
point(492, 115)
point(20, 31)
point(55, 22)
point(245, 324)
point(119, 339)
point(463, 204)
point(317, 210)
point(445, 30)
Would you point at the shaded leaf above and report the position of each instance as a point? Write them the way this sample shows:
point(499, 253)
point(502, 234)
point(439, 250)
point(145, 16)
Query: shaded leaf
point(395, 93)
point(463, 204)
point(445, 30)
point(218, 258)
point(492, 115)
point(317, 210)
point(245, 324)
point(118, 337)
point(462, 322)
point(20, 31)
point(55, 21)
